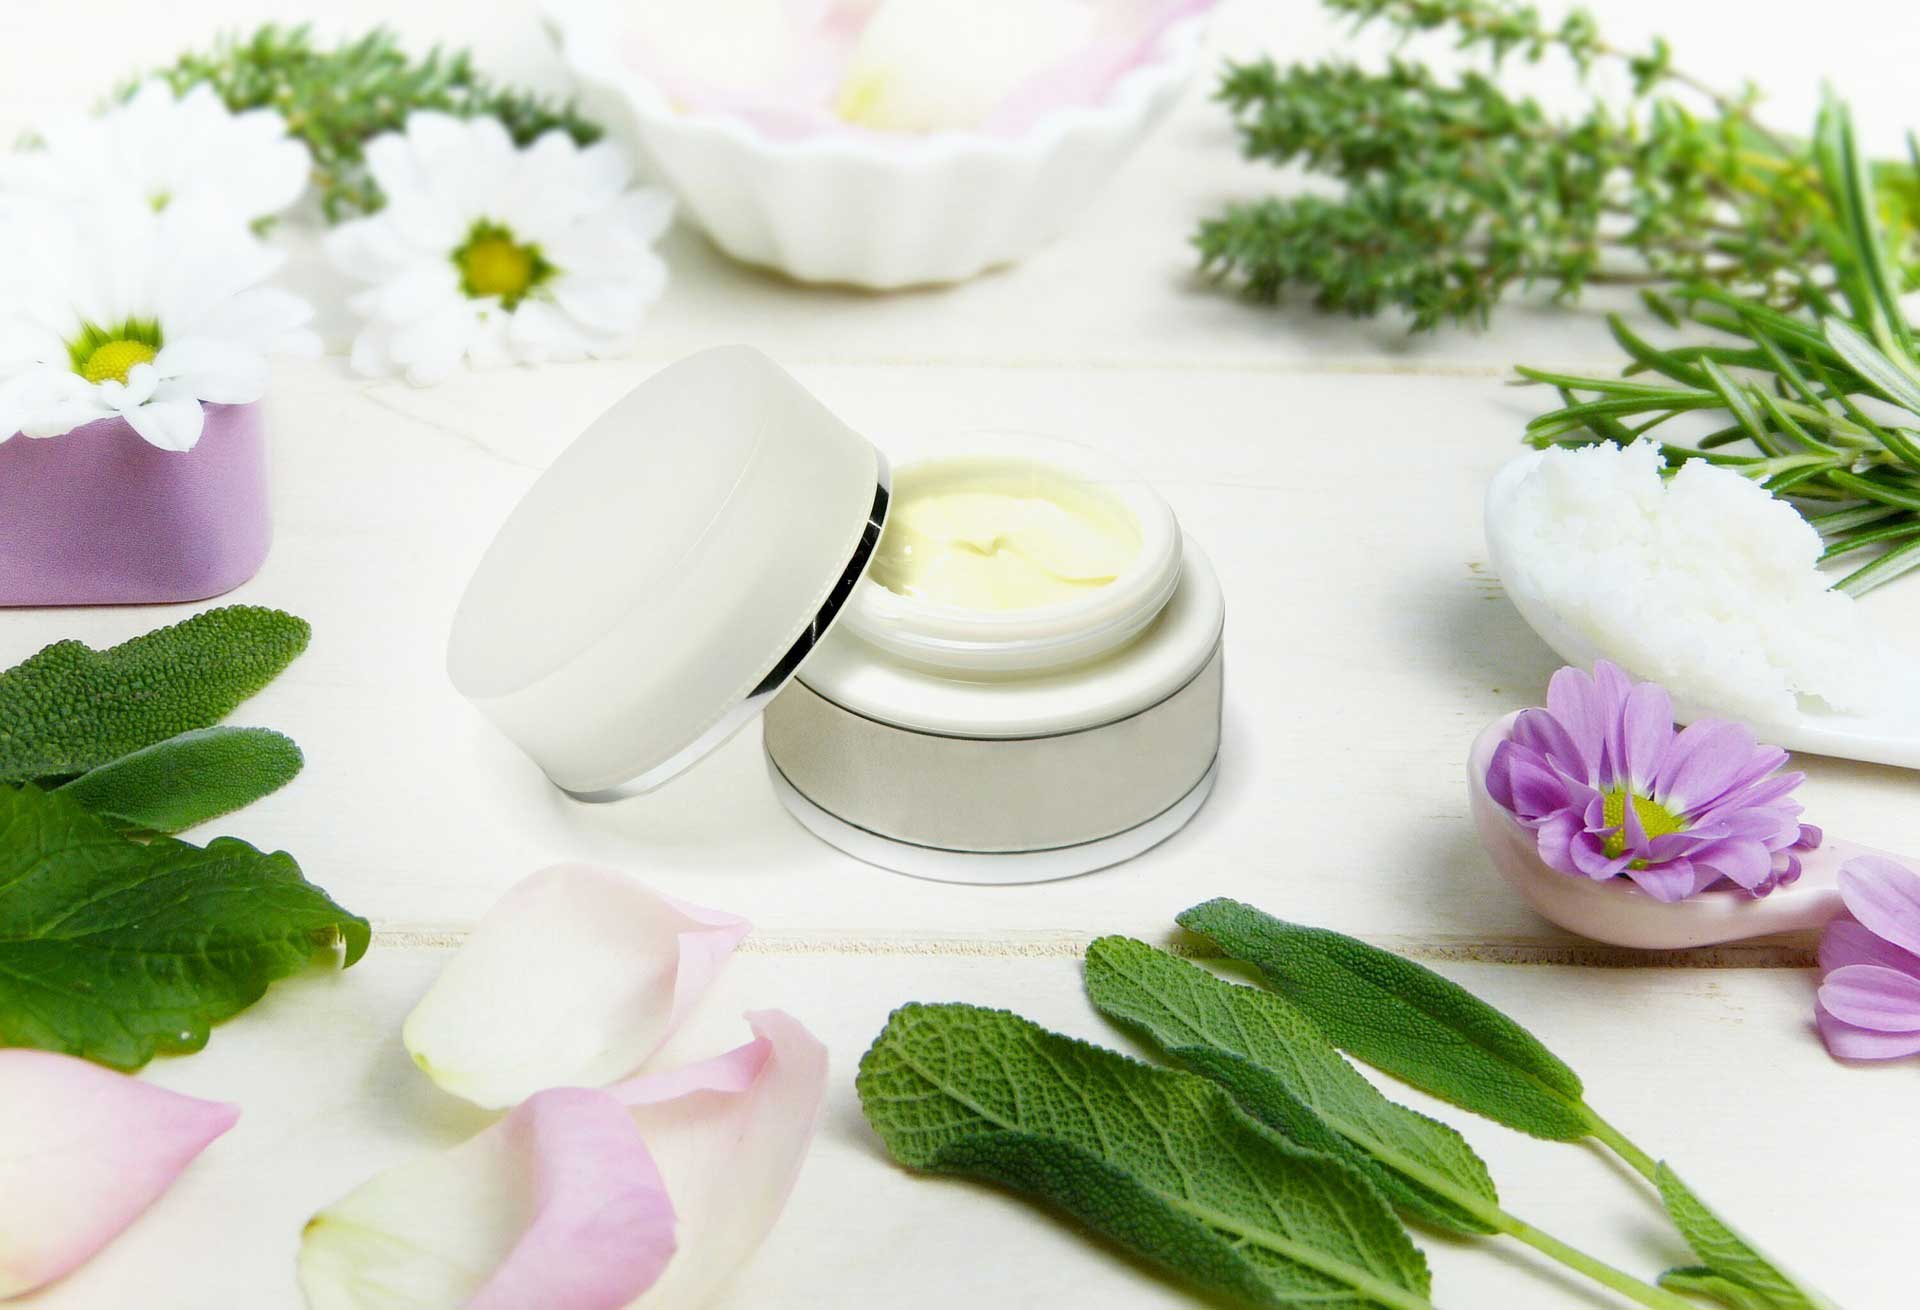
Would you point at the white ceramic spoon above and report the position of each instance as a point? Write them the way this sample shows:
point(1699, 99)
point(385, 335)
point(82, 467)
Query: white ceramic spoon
point(1891, 736)
point(1617, 912)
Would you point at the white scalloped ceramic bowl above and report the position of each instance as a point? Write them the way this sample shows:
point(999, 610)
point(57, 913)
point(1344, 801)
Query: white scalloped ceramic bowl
point(879, 213)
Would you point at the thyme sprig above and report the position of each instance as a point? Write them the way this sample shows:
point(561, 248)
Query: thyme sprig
point(337, 99)
point(1820, 404)
point(1453, 190)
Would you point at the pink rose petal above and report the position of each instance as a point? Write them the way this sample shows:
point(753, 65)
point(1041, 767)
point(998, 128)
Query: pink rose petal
point(576, 1200)
point(83, 1151)
point(730, 1136)
point(557, 1206)
point(603, 1225)
point(574, 978)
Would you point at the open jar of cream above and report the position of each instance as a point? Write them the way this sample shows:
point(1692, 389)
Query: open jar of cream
point(999, 662)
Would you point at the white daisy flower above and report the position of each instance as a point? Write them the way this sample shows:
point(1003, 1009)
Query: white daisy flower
point(128, 313)
point(494, 254)
point(162, 149)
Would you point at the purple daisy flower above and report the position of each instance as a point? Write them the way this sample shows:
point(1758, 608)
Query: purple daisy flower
point(1610, 789)
point(1869, 1006)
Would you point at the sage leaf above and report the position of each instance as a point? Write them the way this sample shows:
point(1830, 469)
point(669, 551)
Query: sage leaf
point(1407, 1020)
point(1729, 1257)
point(69, 708)
point(116, 950)
point(1285, 1073)
point(1159, 1161)
point(182, 781)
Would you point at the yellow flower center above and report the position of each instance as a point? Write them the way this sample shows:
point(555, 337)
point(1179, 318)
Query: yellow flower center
point(1654, 817)
point(492, 263)
point(114, 359)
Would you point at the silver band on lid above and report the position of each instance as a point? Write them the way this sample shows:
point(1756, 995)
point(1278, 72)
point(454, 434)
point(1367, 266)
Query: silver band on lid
point(756, 701)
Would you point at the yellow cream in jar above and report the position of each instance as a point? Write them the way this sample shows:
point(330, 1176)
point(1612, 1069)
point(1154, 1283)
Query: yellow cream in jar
point(1001, 534)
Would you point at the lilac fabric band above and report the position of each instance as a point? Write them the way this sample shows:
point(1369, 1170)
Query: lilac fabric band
point(99, 517)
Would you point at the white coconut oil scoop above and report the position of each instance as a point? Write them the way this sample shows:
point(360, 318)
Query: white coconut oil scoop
point(1707, 586)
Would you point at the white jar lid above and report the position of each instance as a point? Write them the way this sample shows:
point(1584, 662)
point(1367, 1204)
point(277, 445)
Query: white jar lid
point(664, 578)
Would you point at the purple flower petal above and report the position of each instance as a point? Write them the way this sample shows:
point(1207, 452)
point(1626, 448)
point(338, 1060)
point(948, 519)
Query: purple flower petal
point(1811, 837)
point(1786, 872)
point(1778, 828)
point(1612, 687)
point(1740, 860)
point(1553, 840)
point(1573, 700)
point(1873, 996)
point(1643, 732)
point(1847, 942)
point(1537, 790)
point(1885, 896)
point(1766, 793)
point(1500, 773)
point(1846, 1042)
point(1548, 738)
point(1674, 881)
point(1702, 763)
point(1590, 859)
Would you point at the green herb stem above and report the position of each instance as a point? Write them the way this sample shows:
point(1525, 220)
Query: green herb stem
point(1646, 1294)
point(1512, 1225)
point(1618, 1142)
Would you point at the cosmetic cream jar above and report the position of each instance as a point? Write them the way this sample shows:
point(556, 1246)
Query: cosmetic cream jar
point(998, 662)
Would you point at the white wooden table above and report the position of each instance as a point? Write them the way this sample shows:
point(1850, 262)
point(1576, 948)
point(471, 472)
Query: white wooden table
point(1333, 470)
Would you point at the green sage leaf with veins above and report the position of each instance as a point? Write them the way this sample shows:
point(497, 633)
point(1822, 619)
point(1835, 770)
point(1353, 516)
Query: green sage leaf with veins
point(115, 950)
point(1161, 1162)
point(1736, 1273)
point(175, 784)
point(69, 709)
point(1282, 1071)
point(1406, 1019)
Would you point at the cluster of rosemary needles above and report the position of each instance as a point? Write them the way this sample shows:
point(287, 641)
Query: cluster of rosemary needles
point(1787, 254)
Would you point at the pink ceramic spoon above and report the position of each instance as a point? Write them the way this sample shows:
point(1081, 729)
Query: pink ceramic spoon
point(1617, 912)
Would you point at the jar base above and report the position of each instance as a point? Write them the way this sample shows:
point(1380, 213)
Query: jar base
point(938, 864)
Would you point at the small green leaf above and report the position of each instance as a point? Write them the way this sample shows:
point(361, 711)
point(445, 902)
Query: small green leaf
point(1282, 1071)
point(1729, 1256)
point(69, 709)
point(1160, 1162)
point(1881, 372)
point(1406, 1019)
point(116, 950)
point(182, 781)
point(1701, 1281)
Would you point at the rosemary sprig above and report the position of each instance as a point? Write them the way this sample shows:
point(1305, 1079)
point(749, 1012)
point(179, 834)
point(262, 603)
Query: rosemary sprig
point(338, 99)
point(1453, 191)
point(1819, 404)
